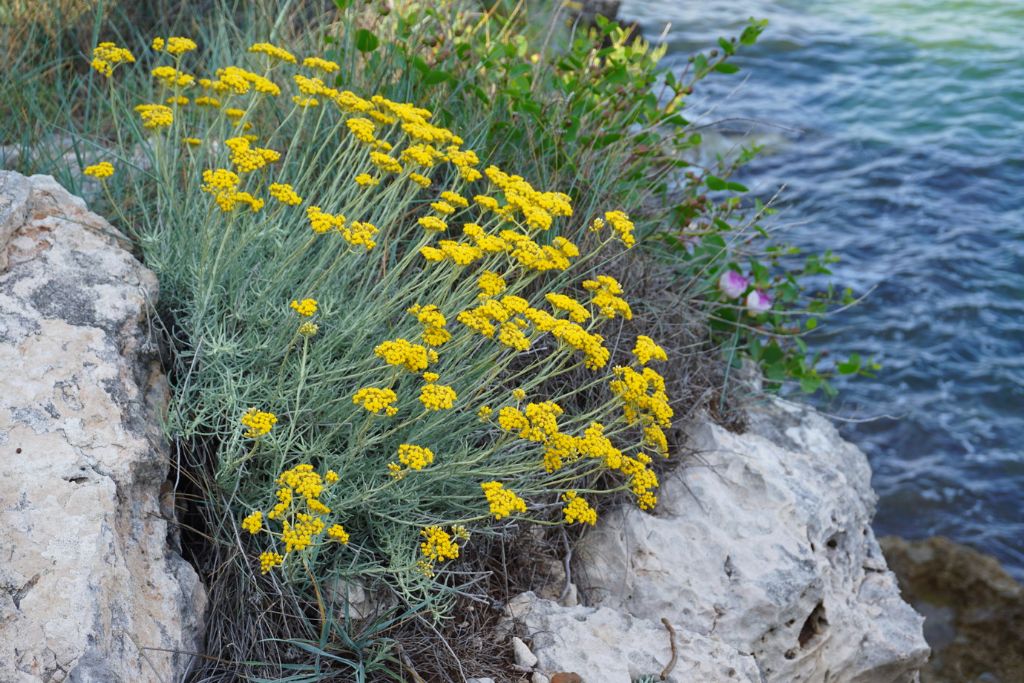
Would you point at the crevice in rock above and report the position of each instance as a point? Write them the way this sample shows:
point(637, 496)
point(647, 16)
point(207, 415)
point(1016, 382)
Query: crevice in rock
point(815, 625)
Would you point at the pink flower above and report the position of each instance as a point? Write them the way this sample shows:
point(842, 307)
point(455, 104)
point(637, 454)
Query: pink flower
point(758, 302)
point(732, 284)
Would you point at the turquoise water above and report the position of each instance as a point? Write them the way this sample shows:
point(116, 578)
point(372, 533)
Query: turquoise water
point(897, 129)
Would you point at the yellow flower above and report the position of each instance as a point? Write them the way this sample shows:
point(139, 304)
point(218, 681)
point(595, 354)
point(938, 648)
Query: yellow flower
point(102, 170)
point(359, 233)
point(490, 284)
point(415, 457)
point(622, 226)
point(502, 501)
point(305, 101)
point(577, 509)
point(324, 65)
point(366, 180)
point(107, 56)
point(308, 329)
point(321, 222)
point(437, 396)
point(421, 180)
point(247, 158)
point(646, 350)
point(438, 545)
point(306, 308)
point(376, 400)
point(175, 45)
point(385, 163)
point(432, 223)
point(253, 523)
point(181, 101)
point(270, 560)
point(605, 295)
point(338, 532)
point(484, 413)
point(273, 51)
point(455, 199)
point(486, 202)
point(362, 130)
point(192, 142)
point(519, 394)
point(443, 208)
point(285, 193)
point(171, 77)
point(577, 313)
point(155, 115)
point(331, 477)
point(259, 423)
point(413, 357)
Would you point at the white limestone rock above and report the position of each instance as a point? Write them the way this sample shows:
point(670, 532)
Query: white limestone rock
point(604, 645)
point(89, 590)
point(763, 543)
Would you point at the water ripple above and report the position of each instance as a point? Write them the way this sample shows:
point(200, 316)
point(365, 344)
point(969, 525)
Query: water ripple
point(896, 126)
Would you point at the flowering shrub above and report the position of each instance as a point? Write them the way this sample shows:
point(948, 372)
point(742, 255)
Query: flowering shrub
point(405, 316)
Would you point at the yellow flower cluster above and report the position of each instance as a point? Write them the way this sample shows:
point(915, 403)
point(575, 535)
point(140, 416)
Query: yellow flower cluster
point(577, 313)
point(273, 51)
point(284, 193)
point(172, 78)
point(247, 158)
point(223, 185)
point(175, 45)
point(433, 321)
point(155, 115)
point(239, 81)
point(622, 226)
point(253, 523)
point(502, 502)
point(415, 457)
point(376, 400)
point(644, 401)
point(577, 509)
point(437, 396)
point(102, 170)
point(324, 65)
point(402, 352)
point(359, 234)
point(438, 545)
point(490, 284)
point(320, 221)
point(362, 129)
point(258, 422)
point(605, 295)
point(269, 560)
point(300, 512)
point(645, 350)
point(307, 308)
point(106, 57)
point(366, 180)
point(537, 208)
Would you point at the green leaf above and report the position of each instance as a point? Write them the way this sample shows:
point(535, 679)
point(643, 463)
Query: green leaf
point(366, 41)
point(726, 68)
point(433, 77)
point(811, 323)
point(727, 47)
point(714, 183)
point(850, 366)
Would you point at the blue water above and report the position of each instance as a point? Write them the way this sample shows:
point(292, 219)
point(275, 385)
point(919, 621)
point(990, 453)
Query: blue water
point(897, 129)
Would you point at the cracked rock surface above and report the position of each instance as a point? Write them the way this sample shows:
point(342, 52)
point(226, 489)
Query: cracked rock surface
point(760, 555)
point(89, 589)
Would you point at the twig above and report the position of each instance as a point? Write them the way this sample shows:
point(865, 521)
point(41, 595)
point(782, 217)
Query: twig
point(672, 642)
point(568, 570)
point(407, 663)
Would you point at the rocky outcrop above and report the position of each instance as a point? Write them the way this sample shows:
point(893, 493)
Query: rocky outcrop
point(760, 556)
point(89, 589)
point(974, 610)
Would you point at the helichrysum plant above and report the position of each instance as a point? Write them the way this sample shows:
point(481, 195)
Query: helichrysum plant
point(382, 333)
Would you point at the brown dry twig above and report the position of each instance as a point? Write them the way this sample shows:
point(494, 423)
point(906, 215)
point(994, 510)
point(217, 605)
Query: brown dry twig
point(672, 643)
